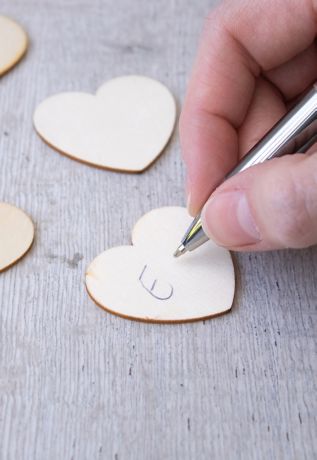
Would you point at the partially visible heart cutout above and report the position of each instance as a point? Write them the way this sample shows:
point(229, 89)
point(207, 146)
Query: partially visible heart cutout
point(13, 44)
point(145, 282)
point(124, 127)
point(16, 235)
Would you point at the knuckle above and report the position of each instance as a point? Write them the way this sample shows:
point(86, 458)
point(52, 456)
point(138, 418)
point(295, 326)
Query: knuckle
point(210, 17)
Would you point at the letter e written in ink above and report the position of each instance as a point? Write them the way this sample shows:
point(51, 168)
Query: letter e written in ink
point(160, 290)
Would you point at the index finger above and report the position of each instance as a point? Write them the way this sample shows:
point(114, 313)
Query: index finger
point(241, 40)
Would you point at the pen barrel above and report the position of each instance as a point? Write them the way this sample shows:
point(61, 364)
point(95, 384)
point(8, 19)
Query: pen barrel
point(295, 132)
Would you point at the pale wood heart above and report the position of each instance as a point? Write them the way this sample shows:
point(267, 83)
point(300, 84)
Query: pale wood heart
point(13, 43)
point(16, 235)
point(124, 127)
point(145, 282)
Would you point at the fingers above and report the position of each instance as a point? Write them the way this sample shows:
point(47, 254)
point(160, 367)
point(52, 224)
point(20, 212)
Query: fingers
point(216, 103)
point(210, 144)
point(266, 108)
point(293, 77)
point(268, 206)
point(241, 39)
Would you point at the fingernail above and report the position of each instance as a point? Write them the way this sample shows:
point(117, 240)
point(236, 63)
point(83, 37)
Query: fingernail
point(189, 196)
point(189, 203)
point(227, 219)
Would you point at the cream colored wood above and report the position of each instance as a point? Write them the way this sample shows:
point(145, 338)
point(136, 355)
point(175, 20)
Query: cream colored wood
point(145, 282)
point(13, 43)
point(124, 127)
point(16, 235)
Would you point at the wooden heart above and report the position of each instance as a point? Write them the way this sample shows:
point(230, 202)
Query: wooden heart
point(16, 235)
point(145, 282)
point(124, 127)
point(13, 44)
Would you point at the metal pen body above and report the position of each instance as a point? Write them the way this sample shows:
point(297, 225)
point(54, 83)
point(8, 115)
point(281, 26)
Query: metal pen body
point(295, 132)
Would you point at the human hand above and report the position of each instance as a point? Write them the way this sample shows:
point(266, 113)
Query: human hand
point(255, 58)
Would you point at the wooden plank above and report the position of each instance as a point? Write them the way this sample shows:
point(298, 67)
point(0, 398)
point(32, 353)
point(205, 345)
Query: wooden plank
point(78, 383)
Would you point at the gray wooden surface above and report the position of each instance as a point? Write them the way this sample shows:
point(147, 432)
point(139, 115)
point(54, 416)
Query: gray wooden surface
point(78, 383)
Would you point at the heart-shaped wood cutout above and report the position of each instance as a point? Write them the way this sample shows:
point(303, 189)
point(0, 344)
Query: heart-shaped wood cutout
point(124, 127)
point(16, 235)
point(13, 43)
point(145, 282)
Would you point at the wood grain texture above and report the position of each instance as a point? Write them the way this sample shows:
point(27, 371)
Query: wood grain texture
point(78, 383)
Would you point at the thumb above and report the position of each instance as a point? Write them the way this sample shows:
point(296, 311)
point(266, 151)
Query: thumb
point(269, 206)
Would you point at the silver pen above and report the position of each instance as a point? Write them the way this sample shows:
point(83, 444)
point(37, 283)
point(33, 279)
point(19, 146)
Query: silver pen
point(295, 132)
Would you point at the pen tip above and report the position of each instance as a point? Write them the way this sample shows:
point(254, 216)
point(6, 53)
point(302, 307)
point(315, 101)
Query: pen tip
point(180, 251)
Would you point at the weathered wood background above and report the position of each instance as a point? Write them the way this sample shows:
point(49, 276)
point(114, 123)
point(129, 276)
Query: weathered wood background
point(78, 383)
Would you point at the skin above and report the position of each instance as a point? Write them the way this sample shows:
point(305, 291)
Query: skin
point(255, 58)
